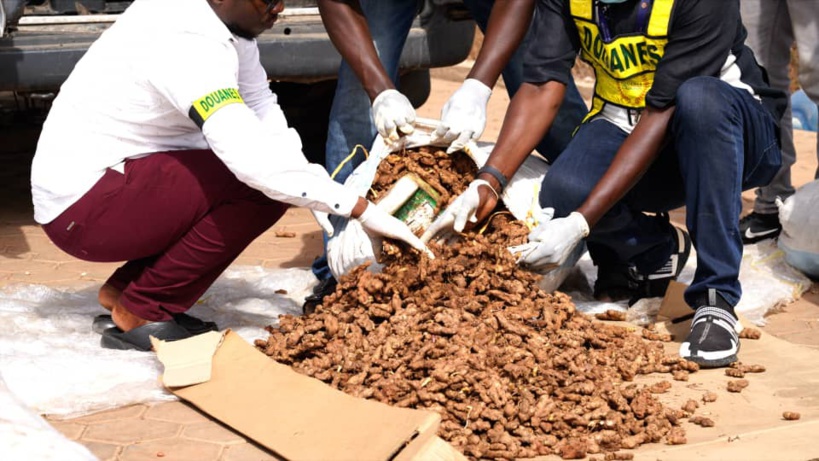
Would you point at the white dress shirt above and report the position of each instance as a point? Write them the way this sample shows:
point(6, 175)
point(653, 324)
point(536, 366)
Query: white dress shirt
point(133, 92)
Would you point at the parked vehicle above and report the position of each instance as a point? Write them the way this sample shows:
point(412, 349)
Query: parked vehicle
point(42, 40)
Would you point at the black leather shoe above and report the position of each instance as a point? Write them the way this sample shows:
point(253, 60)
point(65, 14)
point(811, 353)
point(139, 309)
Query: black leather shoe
point(324, 288)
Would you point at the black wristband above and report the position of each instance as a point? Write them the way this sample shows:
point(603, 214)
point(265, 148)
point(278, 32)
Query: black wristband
point(492, 171)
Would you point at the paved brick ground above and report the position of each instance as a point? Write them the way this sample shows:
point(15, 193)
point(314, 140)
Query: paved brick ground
point(175, 431)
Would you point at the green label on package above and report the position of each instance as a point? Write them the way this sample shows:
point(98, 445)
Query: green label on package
point(418, 211)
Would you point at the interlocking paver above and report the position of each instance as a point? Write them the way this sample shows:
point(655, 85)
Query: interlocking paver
point(175, 412)
point(131, 430)
point(172, 450)
point(103, 451)
point(248, 452)
point(208, 431)
point(129, 412)
point(72, 430)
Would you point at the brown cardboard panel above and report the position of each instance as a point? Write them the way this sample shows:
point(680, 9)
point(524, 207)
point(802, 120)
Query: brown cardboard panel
point(301, 418)
point(436, 449)
point(674, 306)
point(187, 362)
point(749, 425)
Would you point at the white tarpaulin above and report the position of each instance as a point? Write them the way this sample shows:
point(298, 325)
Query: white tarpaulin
point(768, 283)
point(25, 435)
point(52, 363)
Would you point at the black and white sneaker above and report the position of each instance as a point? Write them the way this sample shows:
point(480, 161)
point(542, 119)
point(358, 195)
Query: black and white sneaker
point(713, 341)
point(616, 283)
point(656, 283)
point(758, 226)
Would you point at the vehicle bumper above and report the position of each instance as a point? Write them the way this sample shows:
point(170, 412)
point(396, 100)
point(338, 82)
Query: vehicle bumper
point(296, 49)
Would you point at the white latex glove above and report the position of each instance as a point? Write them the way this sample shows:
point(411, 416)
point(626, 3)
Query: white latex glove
point(351, 247)
point(461, 210)
point(376, 221)
point(551, 243)
point(463, 117)
point(323, 220)
point(392, 113)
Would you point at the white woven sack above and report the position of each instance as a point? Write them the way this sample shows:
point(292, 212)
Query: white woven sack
point(350, 245)
point(799, 215)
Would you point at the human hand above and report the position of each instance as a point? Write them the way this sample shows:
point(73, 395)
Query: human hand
point(393, 114)
point(551, 243)
point(463, 117)
point(351, 248)
point(464, 208)
point(376, 221)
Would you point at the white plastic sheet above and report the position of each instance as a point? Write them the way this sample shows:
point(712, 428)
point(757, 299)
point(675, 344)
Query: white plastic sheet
point(52, 361)
point(768, 283)
point(26, 436)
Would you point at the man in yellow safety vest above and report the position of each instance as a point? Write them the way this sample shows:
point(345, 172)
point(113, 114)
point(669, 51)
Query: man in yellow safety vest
point(681, 115)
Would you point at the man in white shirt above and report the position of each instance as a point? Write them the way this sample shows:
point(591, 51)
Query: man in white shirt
point(165, 148)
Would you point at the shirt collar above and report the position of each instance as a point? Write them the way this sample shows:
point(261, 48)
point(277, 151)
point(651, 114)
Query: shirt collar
point(200, 18)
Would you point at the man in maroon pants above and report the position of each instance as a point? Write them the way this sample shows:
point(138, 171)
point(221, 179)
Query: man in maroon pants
point(166, 149)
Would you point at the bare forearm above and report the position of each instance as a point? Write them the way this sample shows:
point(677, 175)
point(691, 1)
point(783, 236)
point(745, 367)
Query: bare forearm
point(507, 26)
point(347, 27)
point(529, 117)
point(633, 159)
point(359, 207)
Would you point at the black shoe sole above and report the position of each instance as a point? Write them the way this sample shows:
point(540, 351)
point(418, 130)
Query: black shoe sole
point(721, 363)
point(194, 325)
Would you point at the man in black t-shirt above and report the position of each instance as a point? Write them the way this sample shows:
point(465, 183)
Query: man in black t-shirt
point(681, 115)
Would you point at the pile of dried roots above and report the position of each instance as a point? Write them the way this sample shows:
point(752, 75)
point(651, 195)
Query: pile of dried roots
point(515, 372)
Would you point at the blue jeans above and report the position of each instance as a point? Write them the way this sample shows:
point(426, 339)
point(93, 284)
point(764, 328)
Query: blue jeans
point(350, 118)
point(721, 141)
point(773, 27)
point(351, 121)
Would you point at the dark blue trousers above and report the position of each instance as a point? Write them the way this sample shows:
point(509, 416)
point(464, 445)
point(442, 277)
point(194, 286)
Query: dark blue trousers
point(721, 141)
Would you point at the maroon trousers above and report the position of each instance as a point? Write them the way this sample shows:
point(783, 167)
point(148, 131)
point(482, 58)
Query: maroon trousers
point(178, 218)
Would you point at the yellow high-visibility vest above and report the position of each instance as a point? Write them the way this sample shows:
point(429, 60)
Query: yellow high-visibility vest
point(624, 66)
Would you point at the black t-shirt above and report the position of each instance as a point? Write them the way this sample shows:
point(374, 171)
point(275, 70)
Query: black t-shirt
point(701, 36)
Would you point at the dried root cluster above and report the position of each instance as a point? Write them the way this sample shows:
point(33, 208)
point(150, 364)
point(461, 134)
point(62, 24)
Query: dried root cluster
point(448, 174)
point(515, 372)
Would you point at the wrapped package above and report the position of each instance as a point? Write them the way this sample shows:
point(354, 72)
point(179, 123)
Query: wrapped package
point(799, 215)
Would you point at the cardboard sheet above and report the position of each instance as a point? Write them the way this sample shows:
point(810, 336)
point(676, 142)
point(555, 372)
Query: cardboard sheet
point(748, 425)
point(301, 418)
point(187, 362)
